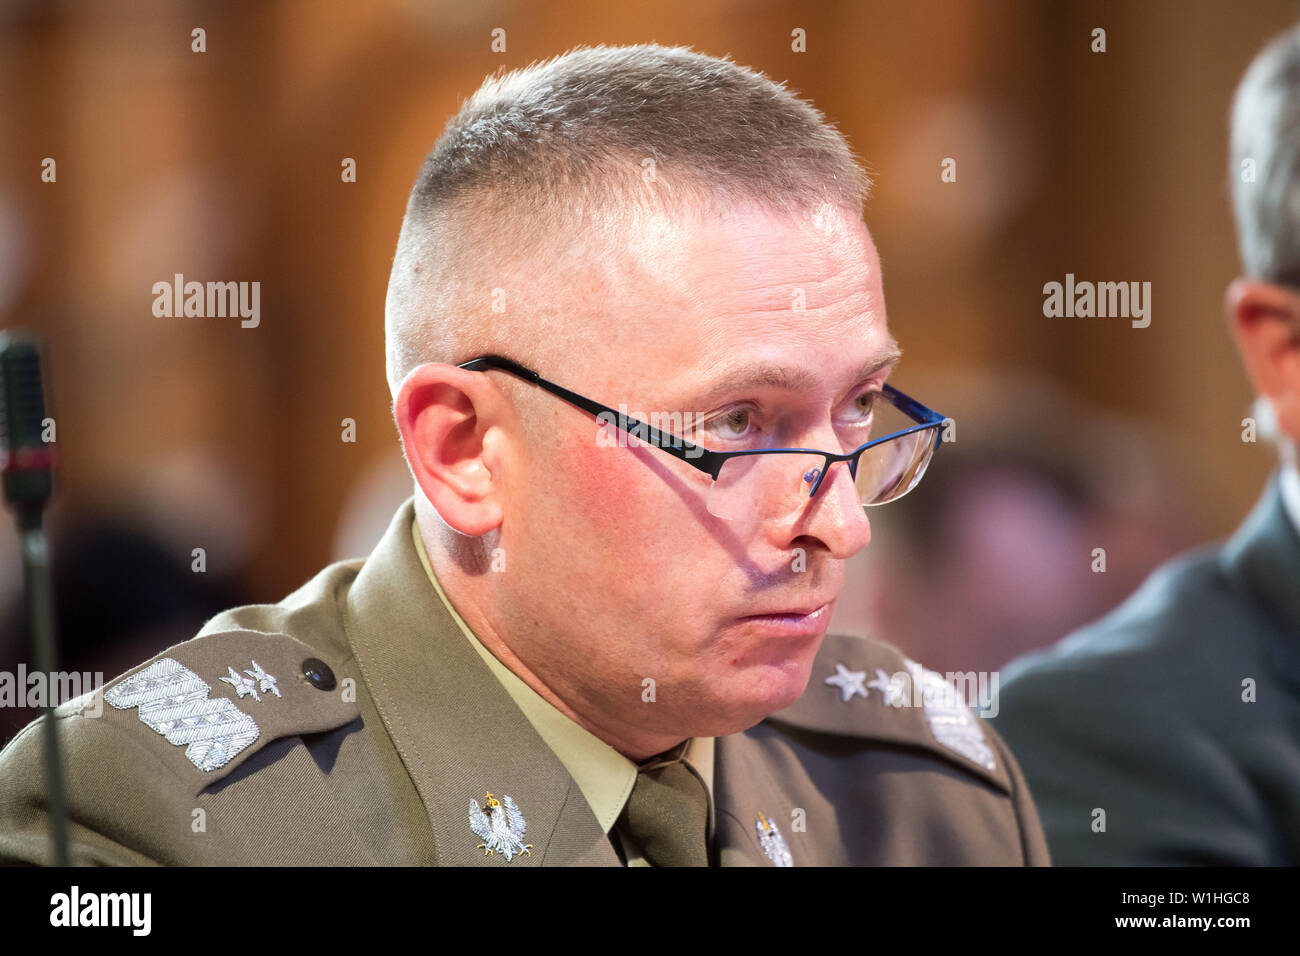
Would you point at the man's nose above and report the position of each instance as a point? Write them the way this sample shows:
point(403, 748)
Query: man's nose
point(834, 515)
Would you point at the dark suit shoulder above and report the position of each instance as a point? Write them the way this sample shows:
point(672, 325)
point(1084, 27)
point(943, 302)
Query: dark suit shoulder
point(1187, 622)
point(1143, 715)
point(870, 690)
point(1155, 679)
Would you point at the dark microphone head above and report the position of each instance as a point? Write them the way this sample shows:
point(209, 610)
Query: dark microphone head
point(26, 459)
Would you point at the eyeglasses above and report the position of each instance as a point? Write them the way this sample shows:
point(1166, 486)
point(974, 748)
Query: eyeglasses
point(774, 482)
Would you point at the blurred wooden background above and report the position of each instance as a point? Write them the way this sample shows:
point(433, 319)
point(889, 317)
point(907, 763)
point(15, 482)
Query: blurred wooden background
point(226, 165)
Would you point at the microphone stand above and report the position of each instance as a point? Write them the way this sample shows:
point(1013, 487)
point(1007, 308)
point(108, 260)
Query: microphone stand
point(36, 593)
point(27, 467)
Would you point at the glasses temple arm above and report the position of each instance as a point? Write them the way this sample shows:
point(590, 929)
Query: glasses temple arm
point(695, 455)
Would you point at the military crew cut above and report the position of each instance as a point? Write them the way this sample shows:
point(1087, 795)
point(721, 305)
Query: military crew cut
point(583, 148)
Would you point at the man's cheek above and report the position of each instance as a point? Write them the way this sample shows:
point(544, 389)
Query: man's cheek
point(614, 492)
point(594, 473)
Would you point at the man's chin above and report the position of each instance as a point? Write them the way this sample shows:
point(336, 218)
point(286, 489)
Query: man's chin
point(786, 691)
point(780, 681)
point(764, 694)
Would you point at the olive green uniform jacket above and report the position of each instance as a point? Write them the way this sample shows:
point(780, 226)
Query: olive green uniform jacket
point(383, 723)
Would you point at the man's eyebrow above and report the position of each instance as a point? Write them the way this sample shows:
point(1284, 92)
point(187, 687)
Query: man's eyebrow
point(739, 378)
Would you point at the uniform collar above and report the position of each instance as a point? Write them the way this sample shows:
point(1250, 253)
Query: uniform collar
point(604, 775)
point(456, 729)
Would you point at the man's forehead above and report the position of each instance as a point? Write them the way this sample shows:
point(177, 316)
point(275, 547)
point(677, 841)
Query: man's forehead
point(798, 373)
point(748, 247)
point(756, 299)
point(721, 276)
point(813, 246)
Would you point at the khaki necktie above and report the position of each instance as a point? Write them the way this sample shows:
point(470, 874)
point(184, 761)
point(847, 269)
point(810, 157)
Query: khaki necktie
point(667, 814)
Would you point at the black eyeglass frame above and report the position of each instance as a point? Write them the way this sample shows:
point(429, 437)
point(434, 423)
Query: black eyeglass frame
point(706, 460)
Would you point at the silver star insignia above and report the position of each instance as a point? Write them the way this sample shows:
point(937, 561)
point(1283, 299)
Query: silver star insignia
point(891, 688)
point(242, 685)
point(849, 682)
point(264, 680)
point(256, 680)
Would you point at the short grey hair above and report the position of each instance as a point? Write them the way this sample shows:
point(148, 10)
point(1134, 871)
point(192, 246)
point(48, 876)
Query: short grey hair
point(543, 159)
point(1266, 135)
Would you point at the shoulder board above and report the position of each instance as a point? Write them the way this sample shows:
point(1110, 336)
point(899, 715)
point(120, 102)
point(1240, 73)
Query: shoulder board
point(206, 705)
point(869, 689)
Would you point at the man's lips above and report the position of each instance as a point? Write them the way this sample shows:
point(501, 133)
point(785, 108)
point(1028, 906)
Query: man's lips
point(792, 622)
point(787, 613)
point(802, 609)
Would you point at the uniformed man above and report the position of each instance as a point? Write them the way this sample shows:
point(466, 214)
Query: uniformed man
point(1166, 732)
point(632, 289)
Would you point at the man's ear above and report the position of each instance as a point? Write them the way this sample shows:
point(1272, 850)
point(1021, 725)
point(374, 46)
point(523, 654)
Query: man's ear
point(445, 415)
point(1265, 323)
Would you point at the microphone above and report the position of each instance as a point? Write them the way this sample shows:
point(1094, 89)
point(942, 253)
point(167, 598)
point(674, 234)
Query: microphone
point(27, 463)
point(25, 459)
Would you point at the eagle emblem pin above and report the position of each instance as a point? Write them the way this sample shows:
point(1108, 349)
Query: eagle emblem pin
point(772, 842)
point(500, 825)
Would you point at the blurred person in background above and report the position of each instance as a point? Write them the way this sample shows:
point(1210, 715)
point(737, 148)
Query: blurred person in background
point(1166, 733)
